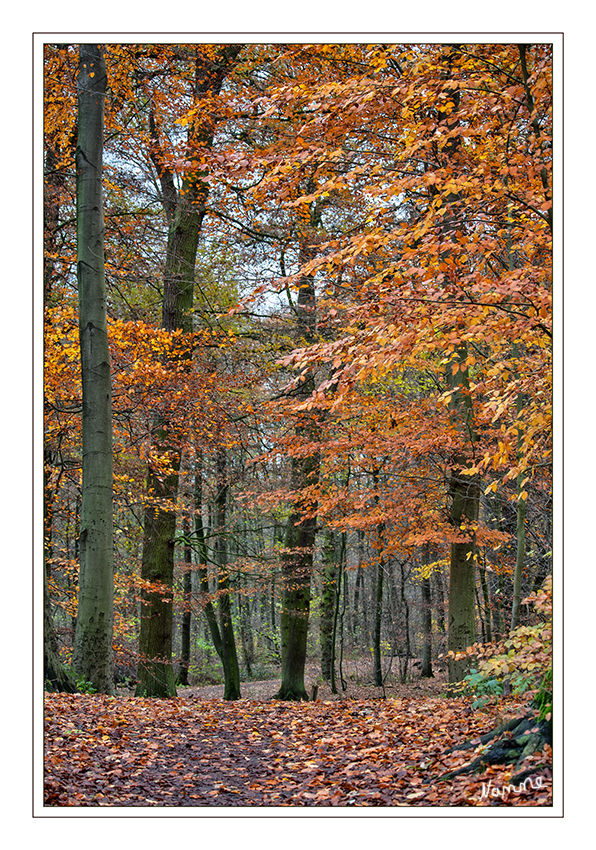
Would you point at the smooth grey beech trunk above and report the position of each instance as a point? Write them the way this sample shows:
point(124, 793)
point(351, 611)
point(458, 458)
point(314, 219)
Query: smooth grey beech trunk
point(92, 657)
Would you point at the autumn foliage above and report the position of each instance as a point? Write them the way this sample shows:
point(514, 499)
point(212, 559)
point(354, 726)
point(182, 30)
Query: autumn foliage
point(363, 339)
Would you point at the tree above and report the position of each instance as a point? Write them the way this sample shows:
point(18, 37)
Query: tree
point(455, 159)
point(92, 656)
point(329, 590)
point(185, 210)
point(426, 668)
point(218, 619)
point(228, 653)
point(301, 528)
point(185, 628)
point(56, 676)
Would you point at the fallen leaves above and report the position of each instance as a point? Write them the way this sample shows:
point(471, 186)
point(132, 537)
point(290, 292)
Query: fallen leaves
point(103, 751)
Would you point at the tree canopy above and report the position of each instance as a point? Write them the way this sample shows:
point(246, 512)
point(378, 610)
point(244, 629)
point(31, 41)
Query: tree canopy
point(329, 305)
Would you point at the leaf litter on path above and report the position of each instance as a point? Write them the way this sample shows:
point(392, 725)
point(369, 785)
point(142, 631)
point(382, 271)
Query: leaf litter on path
point(130, 751)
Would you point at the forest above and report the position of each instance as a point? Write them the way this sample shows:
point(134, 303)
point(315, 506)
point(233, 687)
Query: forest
point(298, 385)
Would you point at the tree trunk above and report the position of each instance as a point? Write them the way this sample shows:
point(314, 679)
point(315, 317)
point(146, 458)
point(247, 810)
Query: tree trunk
point(208, 607)
point(440, 604)
point(341, 576)
point(378, 622)
point(187, 603)
point(328, 604)
point(246, 630)
point(156, 673)
point(92, 654)
point(360, 622)
point(520, 527)
point(296, 577)
point(301, 529)
point(229, 655)
point(156, 676)
point(427, 670)
point(220, 628)
point(378, 604)
point(462, 576)
point(496, 578)
point(487, 605)
point(297, 561)
point(406, 609)
point(464, 491)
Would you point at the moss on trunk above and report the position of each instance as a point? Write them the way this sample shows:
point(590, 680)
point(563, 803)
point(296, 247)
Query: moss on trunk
point(156, 676)
point(92, 653)
point(296, 569)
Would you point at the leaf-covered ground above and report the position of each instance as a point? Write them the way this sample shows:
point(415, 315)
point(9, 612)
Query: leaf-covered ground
point(127, 751)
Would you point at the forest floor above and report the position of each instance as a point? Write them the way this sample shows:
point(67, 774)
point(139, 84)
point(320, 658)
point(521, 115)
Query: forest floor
point(354, 688)
point(355, 748)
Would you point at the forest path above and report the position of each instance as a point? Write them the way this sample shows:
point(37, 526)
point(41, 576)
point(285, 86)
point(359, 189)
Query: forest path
point(355, 689)
point(131, 752)
point(257, 690)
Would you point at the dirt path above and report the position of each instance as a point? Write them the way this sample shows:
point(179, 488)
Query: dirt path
point(131, 752)
point(250, 690)
point(265, 690)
